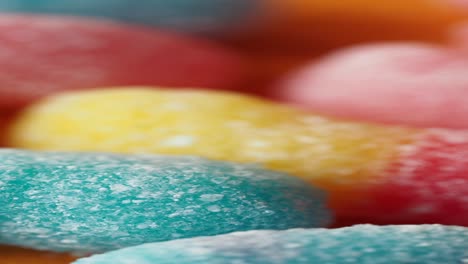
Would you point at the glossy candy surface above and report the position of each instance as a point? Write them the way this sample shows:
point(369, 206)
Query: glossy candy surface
point(45, 55)
point(187, 15)
point(85, 202)
point(366, 168)
point(363, 244)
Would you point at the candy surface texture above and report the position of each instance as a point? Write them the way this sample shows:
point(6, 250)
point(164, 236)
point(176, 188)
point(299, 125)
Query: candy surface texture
point(359, 244)
point(84, 202)
point(365, 168)
point(41, 55)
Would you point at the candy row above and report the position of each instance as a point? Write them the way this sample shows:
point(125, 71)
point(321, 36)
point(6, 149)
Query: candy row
point(99, 201)
point(96, 202)
point(372, 173)
point(42, 55)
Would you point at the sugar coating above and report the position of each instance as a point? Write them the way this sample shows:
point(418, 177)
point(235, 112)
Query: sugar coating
point(42, 55)
point(189, 15)
point(343, 157)
point(217, 125)
point(429, 244)
point(377, 174)
point(95, 202)
point(428, 183)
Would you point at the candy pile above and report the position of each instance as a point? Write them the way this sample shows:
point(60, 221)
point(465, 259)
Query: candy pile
point(166, 132)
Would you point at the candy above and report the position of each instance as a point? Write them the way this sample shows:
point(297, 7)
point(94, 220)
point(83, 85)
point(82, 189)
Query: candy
point(430, 178)
point(365, 168)
point(359, 244)
point(459, 37)
point(44, 55)
point(412, 84)
point(188, 15)
point(84, 202)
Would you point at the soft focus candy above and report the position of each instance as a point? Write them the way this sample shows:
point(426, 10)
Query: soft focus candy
point(332, 24)
point(84, 202)
point(412, 84)
point(189, 15)
point(461, 3)
point(44, 55)
point(364, 244)
point(366, 168)
point(459, 37)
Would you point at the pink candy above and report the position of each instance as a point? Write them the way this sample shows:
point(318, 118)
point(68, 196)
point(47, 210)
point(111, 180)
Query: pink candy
point(408, 84)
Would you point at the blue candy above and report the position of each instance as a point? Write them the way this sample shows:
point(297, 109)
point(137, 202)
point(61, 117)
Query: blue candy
point(85, 202)
point(190, 15)
point(365, 244)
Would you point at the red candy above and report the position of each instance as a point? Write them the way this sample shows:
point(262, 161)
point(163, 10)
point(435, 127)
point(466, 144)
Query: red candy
point(429, 183)
point(44, 55)
point(426, 184)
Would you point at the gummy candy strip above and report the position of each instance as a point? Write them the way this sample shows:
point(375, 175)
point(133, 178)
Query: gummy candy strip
point(363, 244)
point(95, 202)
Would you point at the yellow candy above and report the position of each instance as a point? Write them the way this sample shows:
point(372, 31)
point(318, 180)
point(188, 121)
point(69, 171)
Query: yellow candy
point(215, 125)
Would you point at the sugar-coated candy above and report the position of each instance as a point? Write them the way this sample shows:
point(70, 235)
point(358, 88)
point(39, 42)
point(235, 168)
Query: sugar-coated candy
point(405, 83)
point(364, 244)
point(374, 174)
point(85, 202)
point(189, 15)
point(44, 55)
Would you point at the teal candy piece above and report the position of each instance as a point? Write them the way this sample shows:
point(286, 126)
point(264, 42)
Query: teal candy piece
point(364, 244)
point(189, 15)
point(85, 202)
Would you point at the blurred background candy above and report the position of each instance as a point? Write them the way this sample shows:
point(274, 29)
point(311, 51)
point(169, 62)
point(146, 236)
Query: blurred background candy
point(276, 35)
point(329, 24)
point(411, 84)
point(297, 31)
point(44, 55)
point(201, 16)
